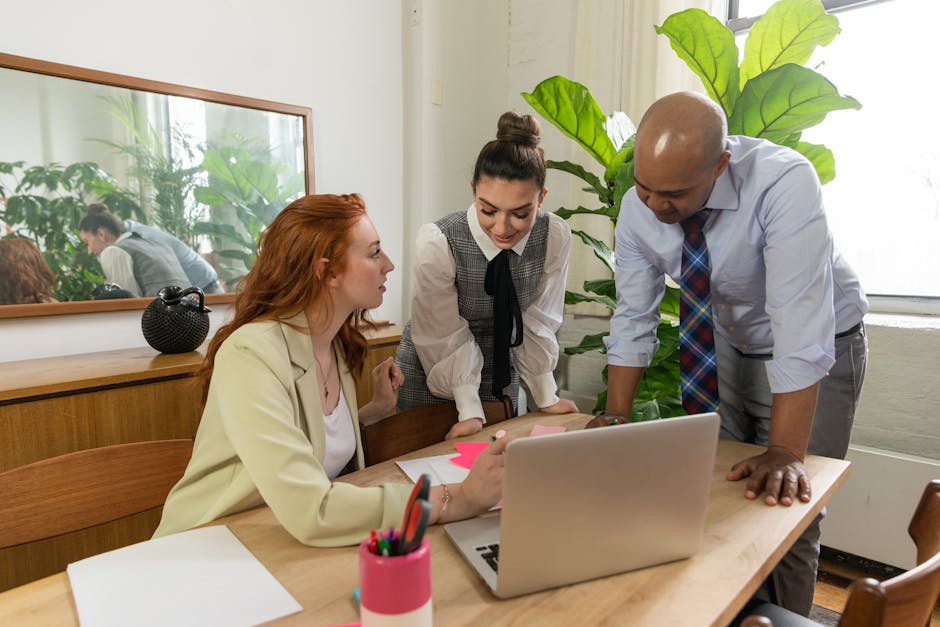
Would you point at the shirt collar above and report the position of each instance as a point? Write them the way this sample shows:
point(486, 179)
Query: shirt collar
point(123, 236)
point(724, 195)
point(483, 240)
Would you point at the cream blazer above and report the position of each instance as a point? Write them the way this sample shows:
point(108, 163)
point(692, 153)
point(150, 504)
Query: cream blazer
point(261, 441)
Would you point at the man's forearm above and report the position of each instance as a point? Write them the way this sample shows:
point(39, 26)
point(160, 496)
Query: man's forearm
point(791, 420)
point(622, 383)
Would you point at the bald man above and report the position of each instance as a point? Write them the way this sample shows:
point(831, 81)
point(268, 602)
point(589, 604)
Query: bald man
point(787, 309)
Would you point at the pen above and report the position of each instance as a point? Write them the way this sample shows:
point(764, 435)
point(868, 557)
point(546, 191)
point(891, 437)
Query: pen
point(497, 435)
point(383, 547)
point(373, 542)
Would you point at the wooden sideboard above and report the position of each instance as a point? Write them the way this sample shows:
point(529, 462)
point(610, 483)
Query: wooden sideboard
point(57, 405)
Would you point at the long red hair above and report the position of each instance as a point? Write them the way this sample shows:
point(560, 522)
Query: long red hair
point(284, 279)
point(24, 276)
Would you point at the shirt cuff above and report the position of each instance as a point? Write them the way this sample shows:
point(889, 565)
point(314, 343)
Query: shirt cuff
point(798, 371)
point(467, 398)
point(543, 389)
point(627, 353)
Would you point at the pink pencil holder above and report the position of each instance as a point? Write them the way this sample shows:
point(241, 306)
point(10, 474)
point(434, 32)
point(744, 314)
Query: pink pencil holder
point(395, 591)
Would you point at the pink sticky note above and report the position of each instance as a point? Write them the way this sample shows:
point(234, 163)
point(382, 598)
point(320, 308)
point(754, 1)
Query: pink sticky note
point(543, 430)
point(469, 451)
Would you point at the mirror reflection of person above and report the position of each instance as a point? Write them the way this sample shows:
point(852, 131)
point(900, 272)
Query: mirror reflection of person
point(136, 263)
point(25, 278)
point(450, 349)
point(197, 269)
point(280, 421)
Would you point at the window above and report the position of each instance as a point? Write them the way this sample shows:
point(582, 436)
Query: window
point(884, 204)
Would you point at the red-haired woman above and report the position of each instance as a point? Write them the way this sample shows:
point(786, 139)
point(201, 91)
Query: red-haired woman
point(24, 276)
point(280, 420)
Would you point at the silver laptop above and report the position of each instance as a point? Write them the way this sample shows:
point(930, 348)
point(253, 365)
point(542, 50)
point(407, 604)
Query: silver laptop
point(585, 504)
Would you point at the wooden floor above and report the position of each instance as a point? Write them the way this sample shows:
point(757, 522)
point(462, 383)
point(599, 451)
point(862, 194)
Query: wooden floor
point(833, 579)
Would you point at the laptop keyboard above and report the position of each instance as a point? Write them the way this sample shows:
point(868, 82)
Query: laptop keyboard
point(490, 553)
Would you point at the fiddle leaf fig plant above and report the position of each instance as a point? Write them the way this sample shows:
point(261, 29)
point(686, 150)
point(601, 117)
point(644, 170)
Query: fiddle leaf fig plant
point(770, 94)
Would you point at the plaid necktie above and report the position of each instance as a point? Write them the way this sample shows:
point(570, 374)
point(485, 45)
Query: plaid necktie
point(698, 366)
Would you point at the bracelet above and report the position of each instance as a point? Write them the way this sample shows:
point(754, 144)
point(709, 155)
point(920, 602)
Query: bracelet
point(445, 499)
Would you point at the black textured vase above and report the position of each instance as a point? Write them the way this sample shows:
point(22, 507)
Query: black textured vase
point(176, 321)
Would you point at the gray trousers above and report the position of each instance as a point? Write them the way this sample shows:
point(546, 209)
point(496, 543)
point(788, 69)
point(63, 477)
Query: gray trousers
point(746, 402)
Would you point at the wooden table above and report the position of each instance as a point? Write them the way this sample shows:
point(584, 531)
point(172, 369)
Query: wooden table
point(743, 541)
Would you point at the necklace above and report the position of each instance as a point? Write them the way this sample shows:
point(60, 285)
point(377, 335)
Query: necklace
point(325, 378)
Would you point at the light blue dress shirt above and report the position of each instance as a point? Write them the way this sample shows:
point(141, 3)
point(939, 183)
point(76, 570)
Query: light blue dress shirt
point(779, 286)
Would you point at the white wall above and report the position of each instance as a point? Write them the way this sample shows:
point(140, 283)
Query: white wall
point(341, 59)
point(455, 74)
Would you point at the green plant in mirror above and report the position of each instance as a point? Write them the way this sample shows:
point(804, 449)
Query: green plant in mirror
point(769, 95)
point(44, 203)
point(164, 170)
point(244, 194)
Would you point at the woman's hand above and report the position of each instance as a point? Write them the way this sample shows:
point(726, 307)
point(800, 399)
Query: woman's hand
point(483, 487)
point(563, 406)
point(387, 377)
point(465, 427)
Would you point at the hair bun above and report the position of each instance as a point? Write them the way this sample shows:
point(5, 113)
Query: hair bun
point(518, 129)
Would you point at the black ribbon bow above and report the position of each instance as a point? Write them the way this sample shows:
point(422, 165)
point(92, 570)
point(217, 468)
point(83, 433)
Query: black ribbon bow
point(506, 315)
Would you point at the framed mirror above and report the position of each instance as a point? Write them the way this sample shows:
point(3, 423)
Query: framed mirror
point(209, 169)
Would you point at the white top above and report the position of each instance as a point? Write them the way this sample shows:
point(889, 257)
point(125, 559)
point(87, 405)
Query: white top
point(118, 266)
point(340, 438)
point(443, 339)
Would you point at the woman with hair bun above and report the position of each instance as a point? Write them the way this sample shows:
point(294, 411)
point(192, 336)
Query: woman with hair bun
point(488, 289)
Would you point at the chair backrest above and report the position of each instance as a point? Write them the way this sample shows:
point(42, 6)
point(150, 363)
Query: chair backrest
point(418, 427)
point(79, 490)
point(909, 598)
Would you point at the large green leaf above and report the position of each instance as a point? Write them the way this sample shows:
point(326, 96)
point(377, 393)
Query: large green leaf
point(670, 303)
point(572, 109)
point(787, 33)
point(588, 343)
point(597, 186)
point(601, 250)
point(624, 155)
point(708, 48)
point(573, 298)
point(606, 287)
point(821, 158)
point(607, 212)
point(623, 181)
point(785, 100)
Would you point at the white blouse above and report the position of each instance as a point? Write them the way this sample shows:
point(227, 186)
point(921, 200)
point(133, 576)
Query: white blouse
point(340, 438)
point(445, 345)
point(118, 266)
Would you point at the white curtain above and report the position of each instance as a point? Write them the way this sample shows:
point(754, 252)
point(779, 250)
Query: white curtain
point(627, 65)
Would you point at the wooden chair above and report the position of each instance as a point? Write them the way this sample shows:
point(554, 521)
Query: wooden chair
point(906, 600)
point(86, 488)
point(418, 427)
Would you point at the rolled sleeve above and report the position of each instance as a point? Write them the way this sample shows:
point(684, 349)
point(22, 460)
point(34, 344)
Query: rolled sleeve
point(799, 282)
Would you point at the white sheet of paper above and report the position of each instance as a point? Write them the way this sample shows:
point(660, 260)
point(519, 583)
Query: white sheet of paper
point(200, 577)
point(440, 470)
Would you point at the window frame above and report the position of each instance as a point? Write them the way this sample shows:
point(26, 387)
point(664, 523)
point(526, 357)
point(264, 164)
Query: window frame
point(878, 303)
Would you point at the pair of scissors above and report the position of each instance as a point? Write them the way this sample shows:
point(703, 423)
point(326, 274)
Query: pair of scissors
point(416, 523)
point(417, 513)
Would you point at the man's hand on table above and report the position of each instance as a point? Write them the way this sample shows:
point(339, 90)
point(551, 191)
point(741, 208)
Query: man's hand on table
point(778, 474)
point(606, 420)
